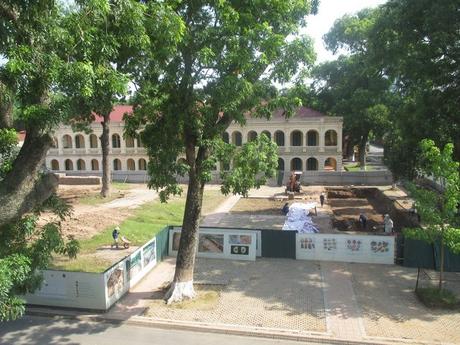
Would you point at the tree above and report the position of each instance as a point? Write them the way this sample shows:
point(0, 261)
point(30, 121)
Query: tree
point(417, 44)
point(221, 71)
point(352, 87)
point(106, 37)
point(439, 212)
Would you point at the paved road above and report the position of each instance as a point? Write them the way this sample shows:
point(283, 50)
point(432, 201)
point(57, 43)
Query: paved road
point(43, 331)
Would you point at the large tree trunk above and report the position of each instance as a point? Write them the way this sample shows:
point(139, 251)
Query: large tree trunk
point(182, 285)
point(105, 191)
point(24, 187)
point(362, 152)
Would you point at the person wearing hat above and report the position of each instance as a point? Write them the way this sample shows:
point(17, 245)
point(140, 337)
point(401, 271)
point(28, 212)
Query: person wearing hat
point(115, 235)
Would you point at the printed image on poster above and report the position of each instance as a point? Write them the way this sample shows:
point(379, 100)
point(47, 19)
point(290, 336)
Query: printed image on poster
point(115, 282)
point(176, 241)
point(379, 247)
point(330, 244)
point(307, 243)
point(240, 239)
point(149, 253)
point(135, 265)
point(353, 245)
point(210, 243)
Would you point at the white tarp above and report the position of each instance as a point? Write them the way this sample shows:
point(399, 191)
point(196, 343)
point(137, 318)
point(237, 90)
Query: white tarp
point(298, 218)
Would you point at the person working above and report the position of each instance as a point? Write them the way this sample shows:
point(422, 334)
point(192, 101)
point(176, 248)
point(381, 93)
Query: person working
point(363, 220)
point(321, 199)
point(115, 236)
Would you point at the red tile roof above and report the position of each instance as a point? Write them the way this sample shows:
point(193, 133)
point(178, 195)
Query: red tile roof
point(117, 113)
point(119, 110)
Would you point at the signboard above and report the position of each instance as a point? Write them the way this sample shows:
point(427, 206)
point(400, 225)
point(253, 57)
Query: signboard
point(345, 248)
point(219, 243)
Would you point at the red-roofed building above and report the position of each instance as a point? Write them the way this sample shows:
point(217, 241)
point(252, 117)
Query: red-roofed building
point(309, 141)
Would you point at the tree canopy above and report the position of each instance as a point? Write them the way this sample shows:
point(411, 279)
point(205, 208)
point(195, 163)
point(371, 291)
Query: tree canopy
point(222, 71)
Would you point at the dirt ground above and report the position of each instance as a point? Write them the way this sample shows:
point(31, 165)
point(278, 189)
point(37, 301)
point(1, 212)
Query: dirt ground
point(88, 220)
point(347, 205)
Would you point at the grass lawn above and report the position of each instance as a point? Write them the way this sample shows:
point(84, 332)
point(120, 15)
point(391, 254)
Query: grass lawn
point(356, 167)
point(147, 220)
point(97, 199)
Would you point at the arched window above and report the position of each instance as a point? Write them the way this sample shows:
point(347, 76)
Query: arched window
point(312, 138)
point(296, 164)
point(131, 165)
point(116, 164)
point(330, 164)
point(330, 138)
point(94, 165)
point(312, 164)
point(81, 164)
point(79, 141)
point(225, 137)
point(67, 141)
point(237, 138)
point(280, 164)
point(268, 134)
point(296, 138)
point(129, 141)
point(142, 164)
point(55, 144)
point(279, 138)
point(93, 141)
point(252, 135)
point(116, 142)
point(54, 165)
point(68, 164)
point(139, 142)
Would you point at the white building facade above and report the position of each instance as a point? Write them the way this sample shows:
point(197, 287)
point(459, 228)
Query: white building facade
point(309, 141)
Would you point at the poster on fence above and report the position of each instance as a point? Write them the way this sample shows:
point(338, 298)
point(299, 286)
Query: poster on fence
point(346, 248)
point(220, 243)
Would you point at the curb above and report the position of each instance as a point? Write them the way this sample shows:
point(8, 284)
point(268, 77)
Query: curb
point(279, 334)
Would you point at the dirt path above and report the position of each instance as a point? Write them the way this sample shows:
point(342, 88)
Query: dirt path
point(88, 220)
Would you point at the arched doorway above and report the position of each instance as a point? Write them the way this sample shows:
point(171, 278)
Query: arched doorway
point(116, 164)
point(81, 165)
point(312, 164)
point(116, 141)
point(330, 164)
point(94, 165)
point(279, 138)
point(296, 164)
point(67, 141)
point(130, 164)
point(54, 165)
point(312, 138)
point(142, 164)
point(79, 141)
point(93, 141)
point(237, 138)
point(280, 164)
point(330, 138)
point(296, 138)
point(68, 164)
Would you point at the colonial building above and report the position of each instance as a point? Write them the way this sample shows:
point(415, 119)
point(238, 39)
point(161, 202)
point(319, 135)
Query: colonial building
point(309, 142)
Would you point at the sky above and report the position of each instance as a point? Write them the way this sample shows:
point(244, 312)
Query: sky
point(328, 12)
